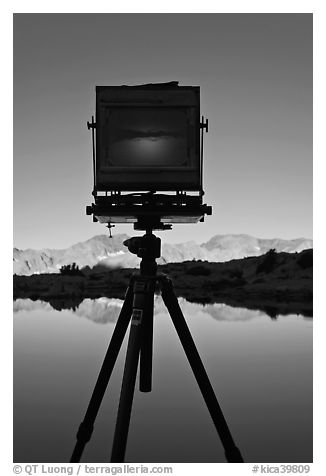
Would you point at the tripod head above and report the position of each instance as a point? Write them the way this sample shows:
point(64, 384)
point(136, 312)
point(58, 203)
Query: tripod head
point(147, 247)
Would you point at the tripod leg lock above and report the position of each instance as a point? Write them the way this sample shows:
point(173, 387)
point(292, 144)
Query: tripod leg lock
point(85, 431)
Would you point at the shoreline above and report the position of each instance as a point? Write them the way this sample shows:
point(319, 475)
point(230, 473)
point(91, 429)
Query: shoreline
point(275, 283)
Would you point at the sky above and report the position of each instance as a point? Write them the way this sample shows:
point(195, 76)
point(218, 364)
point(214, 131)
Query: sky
point(255, 75)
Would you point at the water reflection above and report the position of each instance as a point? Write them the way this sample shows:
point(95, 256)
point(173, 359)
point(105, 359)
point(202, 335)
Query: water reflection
point(260, 369)
point(104, 310)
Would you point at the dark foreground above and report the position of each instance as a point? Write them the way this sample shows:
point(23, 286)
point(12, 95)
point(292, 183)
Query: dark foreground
point(276, 283)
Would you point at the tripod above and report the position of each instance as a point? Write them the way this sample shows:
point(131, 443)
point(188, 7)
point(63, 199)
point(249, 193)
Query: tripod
point(138, 307)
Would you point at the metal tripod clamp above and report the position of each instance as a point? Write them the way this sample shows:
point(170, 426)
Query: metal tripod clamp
point(204, 125)
point(91, 125)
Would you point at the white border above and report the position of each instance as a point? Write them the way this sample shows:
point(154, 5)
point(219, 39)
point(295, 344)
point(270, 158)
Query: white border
point(319, 198)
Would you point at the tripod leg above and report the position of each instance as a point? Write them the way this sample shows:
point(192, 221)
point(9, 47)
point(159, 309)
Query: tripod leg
point(130, 371)
point(86, 427)
point(146, 349)
point(232, 453)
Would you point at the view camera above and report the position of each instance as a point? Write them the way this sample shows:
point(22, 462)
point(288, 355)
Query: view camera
point(148, 155)
point(147, 160)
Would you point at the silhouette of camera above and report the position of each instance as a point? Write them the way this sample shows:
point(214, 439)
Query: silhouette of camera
point(148, 139)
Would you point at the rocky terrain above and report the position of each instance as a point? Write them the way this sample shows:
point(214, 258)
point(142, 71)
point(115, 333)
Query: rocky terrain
point(112, 253)
point(276, 283)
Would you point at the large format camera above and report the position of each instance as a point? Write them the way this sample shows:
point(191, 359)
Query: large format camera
point(147, 170)
point(147, 155)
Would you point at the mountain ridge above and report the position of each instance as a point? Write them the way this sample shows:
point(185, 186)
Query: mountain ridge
point(112, 253)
